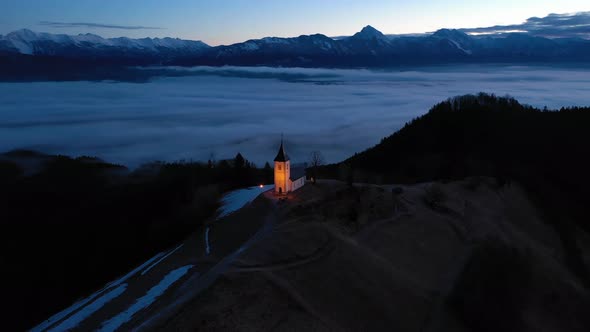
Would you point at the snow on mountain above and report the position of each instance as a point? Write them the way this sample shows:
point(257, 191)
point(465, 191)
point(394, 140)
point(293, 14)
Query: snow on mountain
point(33, 43)
point(458, 39)
point(21, 40)
point(450, 34)
point(302, 45)
point(460, 47)
point(155, 43)
point(250, 46)
point(274, 40)
point(368, 47)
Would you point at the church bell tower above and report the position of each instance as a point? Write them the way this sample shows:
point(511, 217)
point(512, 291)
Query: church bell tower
point(282, 171)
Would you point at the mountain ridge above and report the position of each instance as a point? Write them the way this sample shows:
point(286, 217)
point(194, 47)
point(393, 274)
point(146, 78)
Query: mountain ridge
point(26, 41)
point(367, 48)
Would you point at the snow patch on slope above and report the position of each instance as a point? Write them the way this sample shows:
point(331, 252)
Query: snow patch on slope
point(146, 300)
point(237, 199)
point(62, 314)
point(80, 304)
point(160, 260)
point(460, 47)
point(250, 46)
point(74, 320)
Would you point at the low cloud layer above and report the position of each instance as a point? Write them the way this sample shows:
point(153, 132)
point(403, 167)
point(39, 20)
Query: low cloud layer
point(551, 26)
point(95, 26)
point(220, 111)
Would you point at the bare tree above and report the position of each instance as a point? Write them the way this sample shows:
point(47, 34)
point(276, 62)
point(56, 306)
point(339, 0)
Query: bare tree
point(316, 159)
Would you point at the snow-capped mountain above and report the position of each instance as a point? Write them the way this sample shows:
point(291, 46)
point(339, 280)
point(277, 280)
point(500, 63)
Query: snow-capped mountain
point(371, 48)
point(457, 39)
point(33, 43)
point(302, 44)
point(367, 48)
point(369, 41)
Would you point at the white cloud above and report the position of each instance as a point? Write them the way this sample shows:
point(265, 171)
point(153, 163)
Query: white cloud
point(95, 25)
point(223, 110)
point(551, 26)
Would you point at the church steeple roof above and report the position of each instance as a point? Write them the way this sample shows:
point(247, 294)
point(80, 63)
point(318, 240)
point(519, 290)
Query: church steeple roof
point(281, 156)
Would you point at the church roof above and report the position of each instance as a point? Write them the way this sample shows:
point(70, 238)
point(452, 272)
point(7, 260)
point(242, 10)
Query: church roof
point(281, 156)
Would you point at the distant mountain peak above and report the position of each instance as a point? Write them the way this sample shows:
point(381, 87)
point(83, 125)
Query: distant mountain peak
point(26, 33)
point(459, 39)
point(450, 34)
point(89, 34)
point(369, 32)
point(370, 29)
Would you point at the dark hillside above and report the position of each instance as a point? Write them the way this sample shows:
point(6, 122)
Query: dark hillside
point(69, 226)
point(483, 135)
point(546, 151)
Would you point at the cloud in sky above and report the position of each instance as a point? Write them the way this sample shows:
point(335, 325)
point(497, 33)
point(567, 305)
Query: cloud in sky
point(96, 26)
point(551, 26)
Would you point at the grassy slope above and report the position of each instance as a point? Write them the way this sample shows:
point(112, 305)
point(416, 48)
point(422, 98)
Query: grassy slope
point(359, 258)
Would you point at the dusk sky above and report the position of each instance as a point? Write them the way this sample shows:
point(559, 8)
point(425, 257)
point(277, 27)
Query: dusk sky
point(229, 21)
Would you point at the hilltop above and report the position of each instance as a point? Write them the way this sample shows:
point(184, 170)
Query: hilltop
point(484, 135)
point(471, 217)
point(448, 250)
point(466, 255)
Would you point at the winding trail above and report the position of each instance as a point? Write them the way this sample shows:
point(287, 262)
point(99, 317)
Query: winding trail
point(319, 253)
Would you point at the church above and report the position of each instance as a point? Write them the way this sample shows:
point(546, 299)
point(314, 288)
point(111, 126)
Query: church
point(287, 178)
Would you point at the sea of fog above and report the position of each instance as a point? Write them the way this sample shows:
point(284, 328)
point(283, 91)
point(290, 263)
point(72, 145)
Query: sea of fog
point(202, 112)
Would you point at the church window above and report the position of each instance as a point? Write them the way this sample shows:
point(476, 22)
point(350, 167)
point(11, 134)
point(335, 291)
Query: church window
point(280, 167)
